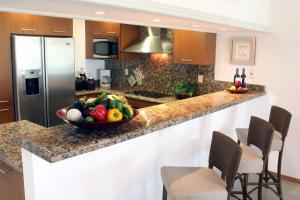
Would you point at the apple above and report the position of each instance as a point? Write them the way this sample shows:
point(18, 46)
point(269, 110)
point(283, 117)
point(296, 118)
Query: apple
point(238, 84)
point(240, 89)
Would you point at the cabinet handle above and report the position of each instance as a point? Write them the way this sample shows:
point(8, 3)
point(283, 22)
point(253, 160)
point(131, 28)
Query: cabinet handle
point(62, 31)
point(3, 101)
point(187, 60)
point(4, 110)
point(97, 33)
point(111, 32)
point(2, 172)
point(28, 29)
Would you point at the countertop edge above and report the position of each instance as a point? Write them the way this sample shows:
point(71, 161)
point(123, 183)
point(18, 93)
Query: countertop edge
point(133, 134)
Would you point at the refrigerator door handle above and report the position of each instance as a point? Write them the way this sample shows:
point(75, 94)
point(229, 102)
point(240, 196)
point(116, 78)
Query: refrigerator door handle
point(46, 88)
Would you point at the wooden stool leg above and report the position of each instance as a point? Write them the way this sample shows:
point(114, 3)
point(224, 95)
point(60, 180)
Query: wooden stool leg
point(279, 175)
point(245, 185)
point(266, 178)
point(260, 184)
point(165, 194)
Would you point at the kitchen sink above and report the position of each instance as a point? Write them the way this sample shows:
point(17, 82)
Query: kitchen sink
point(150, 94)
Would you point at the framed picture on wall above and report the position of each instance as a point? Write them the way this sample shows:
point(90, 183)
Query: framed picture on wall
point(243, 51)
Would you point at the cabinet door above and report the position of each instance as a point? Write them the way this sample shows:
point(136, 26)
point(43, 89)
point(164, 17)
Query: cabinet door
point(6, 114)
point(26, 24)
point(136, 103)
point(11, 183)
point(92, 29)
point(58, 26)
point(129, 35)
point(110, 29)
point(5, 67)
point(96, 29)
point(192, 47)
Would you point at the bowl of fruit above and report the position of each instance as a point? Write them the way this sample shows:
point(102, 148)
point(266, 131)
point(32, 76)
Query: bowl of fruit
point(102, 112)
point(237, 88)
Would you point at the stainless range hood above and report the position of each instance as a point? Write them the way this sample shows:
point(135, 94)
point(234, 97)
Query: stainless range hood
point(155, 42)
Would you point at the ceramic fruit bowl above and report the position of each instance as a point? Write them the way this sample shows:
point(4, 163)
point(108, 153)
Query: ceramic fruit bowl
point(62, 113)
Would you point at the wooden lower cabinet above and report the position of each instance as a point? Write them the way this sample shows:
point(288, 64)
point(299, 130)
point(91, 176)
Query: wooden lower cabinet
point(6, 114)
point(87, 96)
point(135, 103)
point(6, 86)
point(11, 183)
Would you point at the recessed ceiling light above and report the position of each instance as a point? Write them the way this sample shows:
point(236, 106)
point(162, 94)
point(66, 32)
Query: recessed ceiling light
point(195, 25)
point(223, 29)
point(156, 20)
point(100, 13)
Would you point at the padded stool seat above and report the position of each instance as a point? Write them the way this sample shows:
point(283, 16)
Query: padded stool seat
point(251, 161)
point(193, 183)
point(242, 134)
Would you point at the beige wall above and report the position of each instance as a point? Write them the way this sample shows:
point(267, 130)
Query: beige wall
point(88, 65)
point(277, 67)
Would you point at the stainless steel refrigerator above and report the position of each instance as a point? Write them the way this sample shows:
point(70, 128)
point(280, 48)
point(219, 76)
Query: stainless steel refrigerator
point(43, 77)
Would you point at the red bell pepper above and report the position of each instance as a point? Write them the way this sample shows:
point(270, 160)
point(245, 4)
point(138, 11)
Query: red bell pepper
point(99, 113)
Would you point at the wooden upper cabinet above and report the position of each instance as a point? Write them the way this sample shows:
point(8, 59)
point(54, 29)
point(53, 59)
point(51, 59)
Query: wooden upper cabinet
point(96, 29)
point(6, 114)
point(6, 88)
point(58, 26)
point(26, 24)
point(129, 35)
point(192, 47)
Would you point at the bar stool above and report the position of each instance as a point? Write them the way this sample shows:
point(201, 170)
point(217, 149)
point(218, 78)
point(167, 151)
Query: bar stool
point(196, 183)
point(255, 154)
point(280, 119)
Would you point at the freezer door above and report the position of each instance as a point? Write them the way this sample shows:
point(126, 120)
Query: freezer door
point(30, 101)
point(60, 76)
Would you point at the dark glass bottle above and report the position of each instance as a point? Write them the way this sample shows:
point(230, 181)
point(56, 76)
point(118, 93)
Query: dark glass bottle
point(91, 85)
point(244, 78)
point(83, 78)
point(78, 83)
point(237, 76)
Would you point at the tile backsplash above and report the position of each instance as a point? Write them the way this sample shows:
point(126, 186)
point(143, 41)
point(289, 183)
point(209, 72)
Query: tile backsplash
point(160, 73)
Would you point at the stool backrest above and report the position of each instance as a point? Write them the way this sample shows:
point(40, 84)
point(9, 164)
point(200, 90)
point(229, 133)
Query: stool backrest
point(280, 119)
point(225, 154)
point(260, 135)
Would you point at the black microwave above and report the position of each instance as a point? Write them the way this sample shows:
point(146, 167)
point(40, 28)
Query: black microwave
point(105, 48)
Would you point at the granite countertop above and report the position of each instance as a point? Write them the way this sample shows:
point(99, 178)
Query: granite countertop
point(128, 95)
point(65, 141)
point(10, 152)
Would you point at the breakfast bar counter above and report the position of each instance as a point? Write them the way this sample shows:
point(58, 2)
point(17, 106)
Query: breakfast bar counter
point(65, 141)
point(123, 162)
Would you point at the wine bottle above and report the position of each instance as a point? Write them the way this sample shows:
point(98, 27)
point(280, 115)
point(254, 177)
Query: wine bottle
point(244, 78)
point(237, 76)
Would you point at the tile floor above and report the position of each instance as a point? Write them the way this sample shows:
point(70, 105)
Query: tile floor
point(291, 191)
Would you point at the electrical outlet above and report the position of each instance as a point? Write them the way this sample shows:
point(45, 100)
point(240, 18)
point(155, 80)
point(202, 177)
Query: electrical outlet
point(200, 78)
point(126, 72)
point(251, 73)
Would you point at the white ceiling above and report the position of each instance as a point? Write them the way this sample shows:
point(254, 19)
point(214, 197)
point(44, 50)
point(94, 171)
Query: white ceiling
point(86, 9)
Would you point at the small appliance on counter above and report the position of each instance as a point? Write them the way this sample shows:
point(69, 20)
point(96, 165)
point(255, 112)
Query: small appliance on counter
point(104, 77)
